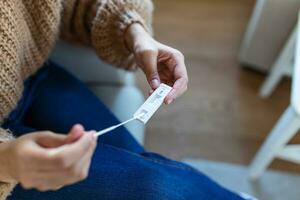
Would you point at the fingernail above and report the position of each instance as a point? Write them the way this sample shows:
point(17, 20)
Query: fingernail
point(94, 136)
point(154, 83)
point(169, 101)
point(91, 132)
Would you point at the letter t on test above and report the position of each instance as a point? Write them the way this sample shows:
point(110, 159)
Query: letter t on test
point(145, 112)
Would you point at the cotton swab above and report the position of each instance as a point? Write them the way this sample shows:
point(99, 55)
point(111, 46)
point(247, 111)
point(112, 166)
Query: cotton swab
point(115, 126)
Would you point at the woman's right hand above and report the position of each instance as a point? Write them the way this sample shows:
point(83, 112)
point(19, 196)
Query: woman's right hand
point(47, 161)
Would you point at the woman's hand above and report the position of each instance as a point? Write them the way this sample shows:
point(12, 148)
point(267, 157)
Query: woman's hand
point(159, 62)
point(47, 161)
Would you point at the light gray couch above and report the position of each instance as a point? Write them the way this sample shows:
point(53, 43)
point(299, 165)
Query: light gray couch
point(115, 87)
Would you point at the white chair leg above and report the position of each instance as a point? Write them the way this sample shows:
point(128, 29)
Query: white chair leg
point(284, 130)
point(272, 81)
point(280, 67)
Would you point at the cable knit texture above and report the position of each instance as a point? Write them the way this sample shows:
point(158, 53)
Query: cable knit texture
point(29, 29)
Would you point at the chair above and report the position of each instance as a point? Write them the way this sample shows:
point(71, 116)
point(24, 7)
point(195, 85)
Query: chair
point(283, 66)
point(115, 87)
point(289, 123)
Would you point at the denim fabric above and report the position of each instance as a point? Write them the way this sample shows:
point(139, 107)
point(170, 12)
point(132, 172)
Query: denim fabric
point(54, 100)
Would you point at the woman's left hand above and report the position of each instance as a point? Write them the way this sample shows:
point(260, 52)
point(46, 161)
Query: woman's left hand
point(159, 62)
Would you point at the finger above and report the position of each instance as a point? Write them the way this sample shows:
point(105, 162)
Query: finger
point(179, 88)
point(69, 154)
point(50, 180)
point(180, 76)
point(149, 66)
point(150, 92)
point(75, 133)
point(80, 170)
point(46, 146)
point(56, 179)
point(84, 165)
point(180, 85)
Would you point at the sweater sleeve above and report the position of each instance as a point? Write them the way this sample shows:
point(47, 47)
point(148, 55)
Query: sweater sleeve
point(102, 24)
point(5, 135)
point(5, 188)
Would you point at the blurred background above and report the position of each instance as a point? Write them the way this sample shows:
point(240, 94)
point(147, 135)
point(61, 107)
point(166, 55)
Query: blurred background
point(244, 74)
point(222, 117)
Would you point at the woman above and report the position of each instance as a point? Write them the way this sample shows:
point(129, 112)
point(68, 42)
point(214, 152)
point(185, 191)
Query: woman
point(42, 146)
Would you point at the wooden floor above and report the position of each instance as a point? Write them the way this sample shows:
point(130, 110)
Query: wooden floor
point(221, 116)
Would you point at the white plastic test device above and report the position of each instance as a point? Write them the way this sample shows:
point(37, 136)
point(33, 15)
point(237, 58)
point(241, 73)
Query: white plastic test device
point(147, 110)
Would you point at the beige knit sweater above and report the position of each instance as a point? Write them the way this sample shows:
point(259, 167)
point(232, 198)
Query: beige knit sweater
point(29, 29)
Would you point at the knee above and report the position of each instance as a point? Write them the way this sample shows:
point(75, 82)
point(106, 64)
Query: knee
point(159, 185)
point(135, 177)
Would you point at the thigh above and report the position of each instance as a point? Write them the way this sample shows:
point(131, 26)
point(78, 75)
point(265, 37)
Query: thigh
point(118, 174)
point(60, 100)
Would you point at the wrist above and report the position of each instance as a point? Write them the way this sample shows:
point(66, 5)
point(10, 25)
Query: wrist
point(5, 175)
point(134, 33)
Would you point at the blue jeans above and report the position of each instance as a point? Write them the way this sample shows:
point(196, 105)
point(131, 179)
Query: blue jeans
point(55, 100)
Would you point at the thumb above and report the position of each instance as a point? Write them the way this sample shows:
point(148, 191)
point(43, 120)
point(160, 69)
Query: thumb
point(149, 60)
point(153, 79)
point(50, 140)
point(75, 133)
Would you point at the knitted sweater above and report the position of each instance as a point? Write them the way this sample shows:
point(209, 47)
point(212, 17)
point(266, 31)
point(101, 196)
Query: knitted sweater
point(29, 29)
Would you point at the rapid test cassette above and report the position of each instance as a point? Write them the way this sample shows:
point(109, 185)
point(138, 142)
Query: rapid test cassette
point(146, 111)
